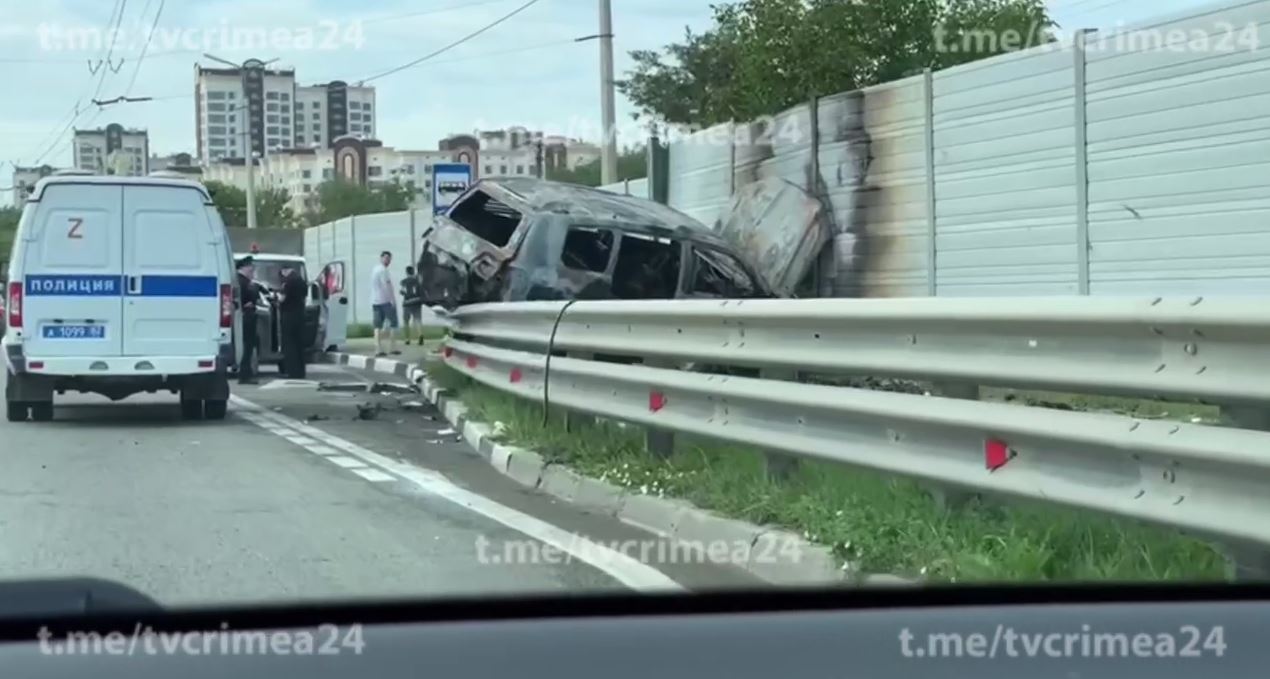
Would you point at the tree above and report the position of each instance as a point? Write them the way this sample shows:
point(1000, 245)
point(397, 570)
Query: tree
point(763, 56)
point(8, 229)
point(340, 198)
point(631, 164)
point(273, 209)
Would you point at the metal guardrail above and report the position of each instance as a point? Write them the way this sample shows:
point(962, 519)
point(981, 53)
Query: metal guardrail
point(1207, 479)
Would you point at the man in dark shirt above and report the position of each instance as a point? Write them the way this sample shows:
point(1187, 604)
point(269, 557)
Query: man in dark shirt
point(412, 304)
point(248, 299)
point(291, 322)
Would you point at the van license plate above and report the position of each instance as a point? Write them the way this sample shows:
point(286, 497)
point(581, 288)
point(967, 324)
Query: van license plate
point(74, 331)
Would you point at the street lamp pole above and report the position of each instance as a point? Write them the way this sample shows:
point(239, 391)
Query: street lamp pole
point(251, 189)
point(608, 155)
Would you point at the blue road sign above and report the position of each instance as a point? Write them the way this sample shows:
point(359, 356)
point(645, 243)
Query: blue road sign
point(449, 181)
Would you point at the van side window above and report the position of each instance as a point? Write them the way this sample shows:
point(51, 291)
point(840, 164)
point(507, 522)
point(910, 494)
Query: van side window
point(715, 273)
point(587, 249)
point(647, 267)
point(487, 218)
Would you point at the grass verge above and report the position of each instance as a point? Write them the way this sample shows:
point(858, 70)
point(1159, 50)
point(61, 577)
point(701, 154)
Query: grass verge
point(878, 524)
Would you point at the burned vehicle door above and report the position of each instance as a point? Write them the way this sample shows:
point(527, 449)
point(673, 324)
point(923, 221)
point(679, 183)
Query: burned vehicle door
point(713, 273)
point(560, 259)
point(466, 250)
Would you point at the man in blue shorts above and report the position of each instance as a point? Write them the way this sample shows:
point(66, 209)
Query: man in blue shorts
point(383, 302)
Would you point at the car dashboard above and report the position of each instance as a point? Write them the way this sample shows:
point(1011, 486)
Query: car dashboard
point(1120, 632)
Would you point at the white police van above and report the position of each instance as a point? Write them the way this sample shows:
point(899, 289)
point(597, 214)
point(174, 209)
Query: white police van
point(119, 285)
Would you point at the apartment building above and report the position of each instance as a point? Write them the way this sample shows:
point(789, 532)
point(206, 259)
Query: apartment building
point(364, 162)
point(262, 110)
point(112, 150)
point(24, 179)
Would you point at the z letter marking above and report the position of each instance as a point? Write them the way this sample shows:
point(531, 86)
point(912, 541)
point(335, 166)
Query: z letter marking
point(74, 233)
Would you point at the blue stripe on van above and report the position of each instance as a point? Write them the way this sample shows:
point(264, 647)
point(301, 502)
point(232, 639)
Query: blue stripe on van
point(73, 286)
point(178, 286)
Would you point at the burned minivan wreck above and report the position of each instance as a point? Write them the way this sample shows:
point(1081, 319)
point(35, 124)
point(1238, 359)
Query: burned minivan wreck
point(526, 239)
point(522, 239)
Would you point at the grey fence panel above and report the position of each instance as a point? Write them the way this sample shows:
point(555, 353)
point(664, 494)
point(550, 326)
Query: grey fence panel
point(1179, 156)
point(701, 167)
point(1004, 176)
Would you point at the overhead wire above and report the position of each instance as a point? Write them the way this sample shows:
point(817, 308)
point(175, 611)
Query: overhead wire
point(456, 43)
point(136, 70)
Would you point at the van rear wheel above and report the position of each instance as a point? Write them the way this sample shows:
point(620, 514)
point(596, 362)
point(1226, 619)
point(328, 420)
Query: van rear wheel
point(42, 411)
point(215, 409)
point(15, 411)
point(191, 409)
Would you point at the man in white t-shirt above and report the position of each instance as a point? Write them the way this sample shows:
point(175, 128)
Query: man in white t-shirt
point(383, 303)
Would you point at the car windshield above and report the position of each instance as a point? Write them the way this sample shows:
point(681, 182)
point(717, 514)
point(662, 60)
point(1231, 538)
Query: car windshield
point(269, 272)
point(633, 296)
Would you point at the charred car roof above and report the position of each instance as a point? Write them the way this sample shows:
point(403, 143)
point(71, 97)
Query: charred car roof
point(529, 195)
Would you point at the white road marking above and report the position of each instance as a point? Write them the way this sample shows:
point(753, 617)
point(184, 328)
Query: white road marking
point(290, 384)
point(320, 449)
point(347, 462)
point(374, 475)
point(624, 569)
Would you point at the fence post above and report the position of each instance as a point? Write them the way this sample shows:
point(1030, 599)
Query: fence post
point(928, 83)
point(779, 465)
point(1082, 166)
point(658, 170)
point(352, 265)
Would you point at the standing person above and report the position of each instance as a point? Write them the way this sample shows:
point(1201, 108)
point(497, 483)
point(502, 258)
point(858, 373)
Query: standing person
point(248, 298)
point(383, 302)
point(412, 304)
point(291, 322)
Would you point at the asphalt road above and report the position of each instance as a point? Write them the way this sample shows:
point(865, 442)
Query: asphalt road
point(293, 497)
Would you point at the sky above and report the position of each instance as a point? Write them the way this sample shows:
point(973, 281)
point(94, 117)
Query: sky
point(526, 71)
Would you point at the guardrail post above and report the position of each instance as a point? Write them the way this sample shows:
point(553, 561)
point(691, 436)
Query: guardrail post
point(946, 497)
point(779, 465)
point(659, 442)
point(575, 421)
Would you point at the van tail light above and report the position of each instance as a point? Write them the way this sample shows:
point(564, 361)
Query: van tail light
point(226, 306)
point(15, 304)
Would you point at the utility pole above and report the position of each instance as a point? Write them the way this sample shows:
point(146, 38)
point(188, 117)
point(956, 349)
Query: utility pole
point(608, 154)
point(251, 189)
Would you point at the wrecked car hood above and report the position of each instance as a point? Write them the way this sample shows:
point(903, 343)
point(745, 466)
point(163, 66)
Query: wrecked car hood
point(778, 228)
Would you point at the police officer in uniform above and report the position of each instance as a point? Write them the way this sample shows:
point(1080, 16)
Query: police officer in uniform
point(248, 299)
point(291, 322)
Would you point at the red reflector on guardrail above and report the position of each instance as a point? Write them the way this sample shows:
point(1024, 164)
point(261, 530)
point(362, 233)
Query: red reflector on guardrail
point(995, 454)
point(448, 351)
point(516, 375)
point(471, 361)
point(656, 401)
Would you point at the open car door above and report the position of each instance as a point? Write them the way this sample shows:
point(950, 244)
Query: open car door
point(331, 292)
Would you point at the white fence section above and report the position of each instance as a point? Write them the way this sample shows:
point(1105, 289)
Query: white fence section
point(1203, 478)
point(357, 241)
point(1117, 163)
point(630, 187)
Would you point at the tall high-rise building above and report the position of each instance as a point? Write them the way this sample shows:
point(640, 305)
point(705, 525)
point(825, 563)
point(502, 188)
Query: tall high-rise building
point(262, 110)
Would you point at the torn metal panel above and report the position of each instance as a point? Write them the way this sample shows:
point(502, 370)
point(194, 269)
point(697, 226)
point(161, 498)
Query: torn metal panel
point(779, 228)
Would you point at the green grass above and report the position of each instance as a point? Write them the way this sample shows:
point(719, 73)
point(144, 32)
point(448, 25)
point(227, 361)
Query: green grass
point(878, 524)
point(365, 330)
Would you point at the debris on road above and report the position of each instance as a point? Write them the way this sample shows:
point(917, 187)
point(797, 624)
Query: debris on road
point(447, 432)
point(343, 386)
point(316, 418)
point(388, 389)
point(368, 411)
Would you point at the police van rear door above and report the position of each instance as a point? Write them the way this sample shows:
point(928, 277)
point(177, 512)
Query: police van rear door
point(72, 266)
point(171, 264)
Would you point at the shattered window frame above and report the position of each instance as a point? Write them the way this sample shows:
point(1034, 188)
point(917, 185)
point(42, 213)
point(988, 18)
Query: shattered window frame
point(727, 264)
point(610, 263)
point(678, 246)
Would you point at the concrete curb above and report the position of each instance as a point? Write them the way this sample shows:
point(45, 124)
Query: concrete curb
point(775, 556)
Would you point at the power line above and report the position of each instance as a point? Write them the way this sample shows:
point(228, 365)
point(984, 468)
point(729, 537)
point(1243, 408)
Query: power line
point(456, 43)
point(110, 51)
point(486, 55)
point(146, 46)
point(426, 12)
